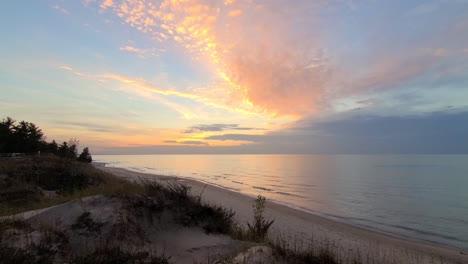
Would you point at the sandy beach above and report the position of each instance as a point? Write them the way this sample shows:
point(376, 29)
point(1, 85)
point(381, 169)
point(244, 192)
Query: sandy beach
point(302, 229)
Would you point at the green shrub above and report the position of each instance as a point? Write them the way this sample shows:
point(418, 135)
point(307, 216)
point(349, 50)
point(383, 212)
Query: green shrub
point(258, 230)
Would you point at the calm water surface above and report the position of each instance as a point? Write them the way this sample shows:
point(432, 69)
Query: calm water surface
point(419, 196)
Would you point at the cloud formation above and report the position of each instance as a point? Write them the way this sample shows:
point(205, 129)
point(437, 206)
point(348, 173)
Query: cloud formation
point(279, 61)
point(256, 69)
point(207, 97)
point(440, 132)
point(237, 137)
point(187, 142)
point(216, 128)
point(143, 53)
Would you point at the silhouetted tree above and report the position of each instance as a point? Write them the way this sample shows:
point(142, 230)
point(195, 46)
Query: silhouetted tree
point(6, 134)
point(25, 137)
point(29, 137)
point(52, 147)
point(85, 156)
point(62, 149)
point(68, 150)
point(73, 148)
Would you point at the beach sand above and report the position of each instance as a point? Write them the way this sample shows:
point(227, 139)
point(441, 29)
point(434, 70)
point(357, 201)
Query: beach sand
point(302, 229)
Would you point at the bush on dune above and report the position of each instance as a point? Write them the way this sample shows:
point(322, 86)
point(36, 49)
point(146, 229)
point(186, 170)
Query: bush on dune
point(189, 210)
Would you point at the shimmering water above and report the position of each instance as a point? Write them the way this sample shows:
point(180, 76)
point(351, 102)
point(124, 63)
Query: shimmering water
point(419, 196)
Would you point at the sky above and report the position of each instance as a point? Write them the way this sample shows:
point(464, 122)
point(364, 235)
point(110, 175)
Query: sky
point(239, 76)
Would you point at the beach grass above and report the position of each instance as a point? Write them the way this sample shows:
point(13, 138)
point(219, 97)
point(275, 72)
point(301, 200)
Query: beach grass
point(31, 183)
point(188, 210)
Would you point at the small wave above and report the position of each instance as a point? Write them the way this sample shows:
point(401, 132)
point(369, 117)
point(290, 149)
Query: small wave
point(427, 233)
point(222, 186)
point(138, 169)
point(263, 188)
point(276, 185)
point(381, 226)
point(238, 182)
point(285, 193)
point(300, 185)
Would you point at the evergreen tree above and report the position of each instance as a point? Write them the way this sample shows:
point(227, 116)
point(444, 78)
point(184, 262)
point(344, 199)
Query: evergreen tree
point(52, 147)
point(26, 137)
point(85, 156)
point(62, 150)
point(6, 134)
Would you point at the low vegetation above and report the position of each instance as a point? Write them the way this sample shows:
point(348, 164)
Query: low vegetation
point(34, 182)
point(188, 210)
point(258, 230)
point(43, 254)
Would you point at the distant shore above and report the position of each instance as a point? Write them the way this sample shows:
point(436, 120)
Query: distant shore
point(301, 228)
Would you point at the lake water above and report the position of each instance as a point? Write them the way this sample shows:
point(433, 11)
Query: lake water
point(418, 196)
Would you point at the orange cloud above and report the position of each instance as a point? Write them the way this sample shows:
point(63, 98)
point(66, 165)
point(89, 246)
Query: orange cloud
point(66, 68)
point(257, 69)
point(141, 52)
point(143, 91)
point(234, 13)
point(130, 48)
point(107, 3)
point(210, 96)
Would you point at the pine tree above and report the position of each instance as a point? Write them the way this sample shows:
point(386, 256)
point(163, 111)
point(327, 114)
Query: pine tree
point(85, 156)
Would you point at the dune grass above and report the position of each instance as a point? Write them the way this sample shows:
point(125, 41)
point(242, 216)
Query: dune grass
point(188, 210)
point(25, 181)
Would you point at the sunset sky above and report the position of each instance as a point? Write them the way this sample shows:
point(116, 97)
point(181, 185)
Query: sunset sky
point(239, 76)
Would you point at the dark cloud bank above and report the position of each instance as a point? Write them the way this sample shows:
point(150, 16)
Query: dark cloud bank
point(434, 133)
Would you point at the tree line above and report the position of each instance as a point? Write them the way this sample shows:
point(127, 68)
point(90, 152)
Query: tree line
point(26, 137)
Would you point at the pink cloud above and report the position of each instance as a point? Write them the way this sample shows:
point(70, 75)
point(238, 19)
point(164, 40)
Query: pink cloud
point(107, 3)
point(263, 61)
point(254, 67)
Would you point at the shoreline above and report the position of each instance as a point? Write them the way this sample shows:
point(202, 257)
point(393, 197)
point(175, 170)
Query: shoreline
point(303, 227)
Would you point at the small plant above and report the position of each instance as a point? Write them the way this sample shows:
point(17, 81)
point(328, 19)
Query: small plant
point(259, 228)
